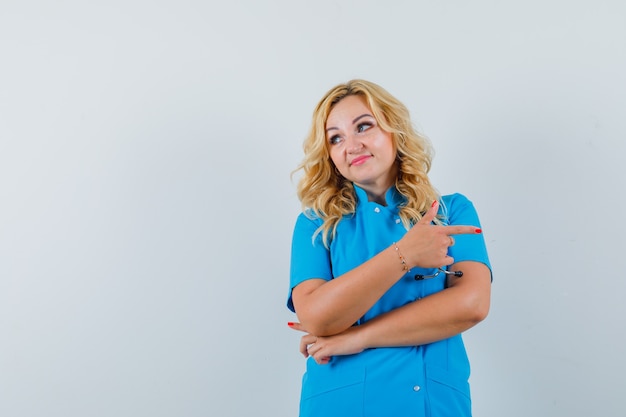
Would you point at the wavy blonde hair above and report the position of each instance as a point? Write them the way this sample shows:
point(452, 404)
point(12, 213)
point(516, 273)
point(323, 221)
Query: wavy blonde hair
point(325, 193)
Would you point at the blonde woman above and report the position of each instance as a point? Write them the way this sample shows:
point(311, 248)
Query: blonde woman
point(385, 273)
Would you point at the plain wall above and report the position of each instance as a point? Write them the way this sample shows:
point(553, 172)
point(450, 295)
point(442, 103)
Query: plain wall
point(146, 205)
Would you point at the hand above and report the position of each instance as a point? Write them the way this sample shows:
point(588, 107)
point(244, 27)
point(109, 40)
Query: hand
point(426, 245)
point(323, 348)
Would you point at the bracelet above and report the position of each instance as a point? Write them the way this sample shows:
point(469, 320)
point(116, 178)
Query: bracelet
point(405, 267)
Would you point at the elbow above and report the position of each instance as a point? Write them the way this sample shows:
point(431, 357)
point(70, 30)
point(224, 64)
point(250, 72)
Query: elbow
point(477, 309)
point(480, 312)
point(322, 331)
point(320, 322)
point(477, 302)
point(475, 287)
point(317, 326)
point(309, 324)
point(316, 314)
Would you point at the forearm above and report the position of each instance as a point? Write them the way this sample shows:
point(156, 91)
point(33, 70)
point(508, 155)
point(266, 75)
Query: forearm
point(327, 308)
point(433, 318)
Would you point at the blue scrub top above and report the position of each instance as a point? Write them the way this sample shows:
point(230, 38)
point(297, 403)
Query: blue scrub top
point(427, 380)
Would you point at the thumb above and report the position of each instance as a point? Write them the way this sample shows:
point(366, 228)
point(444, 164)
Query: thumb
point(430, 214)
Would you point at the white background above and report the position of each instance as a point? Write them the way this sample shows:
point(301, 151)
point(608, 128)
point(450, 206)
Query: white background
point(146, 205)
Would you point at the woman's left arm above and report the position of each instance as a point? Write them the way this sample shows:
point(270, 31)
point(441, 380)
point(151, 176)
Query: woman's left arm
point(462, 305)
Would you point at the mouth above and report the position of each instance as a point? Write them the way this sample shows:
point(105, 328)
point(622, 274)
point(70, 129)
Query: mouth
point(360, 160)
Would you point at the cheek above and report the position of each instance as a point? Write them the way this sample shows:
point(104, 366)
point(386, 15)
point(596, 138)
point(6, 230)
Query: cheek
point(335, 156)
point(389, 146)
point(340, 162)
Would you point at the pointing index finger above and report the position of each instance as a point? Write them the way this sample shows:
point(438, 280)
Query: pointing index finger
point(463, 230)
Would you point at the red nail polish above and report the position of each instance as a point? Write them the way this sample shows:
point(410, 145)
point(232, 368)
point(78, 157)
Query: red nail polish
point(290, 324)
point(434, 203)
point(478, 231)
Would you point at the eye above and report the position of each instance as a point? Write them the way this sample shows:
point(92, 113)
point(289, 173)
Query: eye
point(362, 127)
point(333, 140)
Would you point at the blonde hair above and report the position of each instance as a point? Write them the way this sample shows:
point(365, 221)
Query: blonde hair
point(326, 194)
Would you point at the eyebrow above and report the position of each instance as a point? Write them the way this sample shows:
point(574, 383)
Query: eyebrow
point(356, 119)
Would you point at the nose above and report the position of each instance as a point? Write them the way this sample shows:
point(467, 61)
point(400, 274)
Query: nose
point(354, 144)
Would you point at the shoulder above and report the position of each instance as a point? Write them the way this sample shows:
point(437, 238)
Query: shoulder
point(309, 216)
point(456, 206)
point(455, 199)
point(307, 225)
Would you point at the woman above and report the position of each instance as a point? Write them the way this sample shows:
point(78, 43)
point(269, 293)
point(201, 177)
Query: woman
point(383, 335)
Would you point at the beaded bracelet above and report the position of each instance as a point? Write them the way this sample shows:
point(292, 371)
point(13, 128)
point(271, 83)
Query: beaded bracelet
point(405, 267)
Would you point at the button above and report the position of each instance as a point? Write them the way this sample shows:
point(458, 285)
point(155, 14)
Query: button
point(416, 388)
point(398, 221)
point(377, 210)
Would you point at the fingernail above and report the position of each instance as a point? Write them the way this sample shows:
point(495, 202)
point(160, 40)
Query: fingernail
point(434, 203)
point(478, 231)
point(290, 323)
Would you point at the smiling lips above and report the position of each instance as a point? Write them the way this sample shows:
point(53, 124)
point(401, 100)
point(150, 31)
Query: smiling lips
point(360, 160)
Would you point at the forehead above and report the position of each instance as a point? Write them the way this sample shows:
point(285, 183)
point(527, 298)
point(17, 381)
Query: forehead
point(347, 109)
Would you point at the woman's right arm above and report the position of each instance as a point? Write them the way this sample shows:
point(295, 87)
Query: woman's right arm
point(326, 308)
point(329, 307)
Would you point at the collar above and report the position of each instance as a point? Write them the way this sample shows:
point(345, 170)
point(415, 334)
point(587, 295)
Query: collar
point(392, 197)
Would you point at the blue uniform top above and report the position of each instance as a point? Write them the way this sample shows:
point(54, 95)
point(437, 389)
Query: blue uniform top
point(426, 380)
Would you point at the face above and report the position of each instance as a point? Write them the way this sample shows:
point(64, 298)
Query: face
point(362, 152)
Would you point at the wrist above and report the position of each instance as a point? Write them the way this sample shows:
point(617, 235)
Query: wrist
point(364, 337)
point(402, 260)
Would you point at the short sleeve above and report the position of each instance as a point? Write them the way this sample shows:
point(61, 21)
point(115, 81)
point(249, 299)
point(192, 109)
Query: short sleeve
point(467, 247)
point(309, 258)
